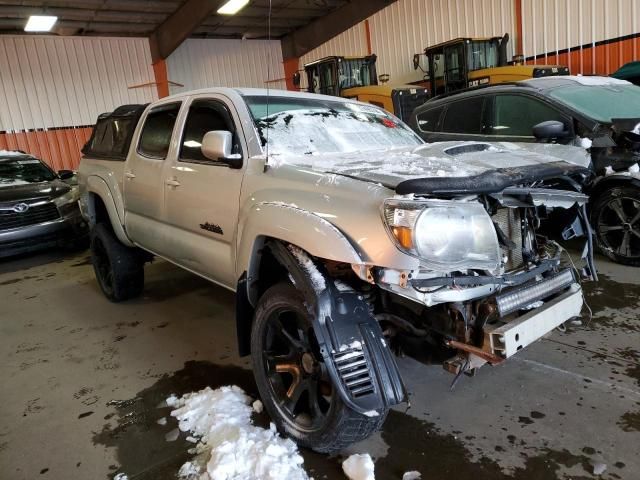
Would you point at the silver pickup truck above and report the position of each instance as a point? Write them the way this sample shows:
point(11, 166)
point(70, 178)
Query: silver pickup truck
point(341, 233)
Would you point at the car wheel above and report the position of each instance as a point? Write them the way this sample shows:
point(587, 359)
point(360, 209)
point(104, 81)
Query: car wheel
point(293, 381)
point(118, 268)
point(616, 220)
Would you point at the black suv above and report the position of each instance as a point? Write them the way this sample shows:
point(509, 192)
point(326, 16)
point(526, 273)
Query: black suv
point(38, 207)
point(601, 114)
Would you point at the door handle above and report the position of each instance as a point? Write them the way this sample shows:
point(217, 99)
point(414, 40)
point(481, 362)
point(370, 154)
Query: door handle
point(172, 183)
point(129, 174)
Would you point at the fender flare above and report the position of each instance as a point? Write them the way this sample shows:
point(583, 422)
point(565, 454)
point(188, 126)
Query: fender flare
point(98, 186)
point(293, 225)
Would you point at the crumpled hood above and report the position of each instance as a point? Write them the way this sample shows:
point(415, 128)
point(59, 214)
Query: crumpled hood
point(437, 160)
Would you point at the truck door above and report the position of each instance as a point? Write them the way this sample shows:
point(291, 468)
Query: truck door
point(143, 176)
point(202, 196)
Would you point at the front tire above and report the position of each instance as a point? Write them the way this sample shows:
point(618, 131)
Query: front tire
point(616, 220)
point(292, 378)
point(119, 269)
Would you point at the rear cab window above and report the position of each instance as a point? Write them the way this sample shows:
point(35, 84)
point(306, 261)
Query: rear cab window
point(157, 131)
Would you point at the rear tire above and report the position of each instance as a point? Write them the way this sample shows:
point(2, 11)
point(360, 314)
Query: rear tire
point(616, 221)
point(285, 354)
point(119, 269)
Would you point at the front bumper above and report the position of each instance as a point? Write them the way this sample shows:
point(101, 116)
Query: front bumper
point(67, 228)
point(510, 338)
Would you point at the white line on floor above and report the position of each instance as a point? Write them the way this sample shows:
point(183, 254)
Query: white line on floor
point(578, 376)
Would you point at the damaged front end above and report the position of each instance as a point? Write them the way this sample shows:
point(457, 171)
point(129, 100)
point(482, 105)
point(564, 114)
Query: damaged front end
point(488, 284)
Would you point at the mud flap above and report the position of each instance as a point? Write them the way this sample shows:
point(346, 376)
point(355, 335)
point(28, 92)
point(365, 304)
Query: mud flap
point(355, 353)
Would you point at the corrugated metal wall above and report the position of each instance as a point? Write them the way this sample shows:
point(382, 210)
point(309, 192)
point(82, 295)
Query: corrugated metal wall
point(408, 26)
point(351, 42)
point(202, 63)
point(53, 88)
point(590, 36)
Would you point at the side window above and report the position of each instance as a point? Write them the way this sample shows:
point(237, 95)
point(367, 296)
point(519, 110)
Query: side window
point(517, 115)
point(428, 120)
point(204, 116)
point(157, 130)
point(464, 116)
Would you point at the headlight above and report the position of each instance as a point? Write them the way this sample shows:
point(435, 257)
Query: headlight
point(71, 196)
point(445, 235)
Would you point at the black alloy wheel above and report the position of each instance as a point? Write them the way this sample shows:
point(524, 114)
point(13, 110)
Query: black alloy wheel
point(292, 377)
point(616, 216)
point(293, 366)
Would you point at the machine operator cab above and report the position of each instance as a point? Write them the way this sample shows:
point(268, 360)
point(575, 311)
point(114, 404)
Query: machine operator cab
point(471, 62)
point(357, 78)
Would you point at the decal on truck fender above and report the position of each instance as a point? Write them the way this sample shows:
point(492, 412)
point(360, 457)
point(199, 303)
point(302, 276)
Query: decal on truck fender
point(211, 227)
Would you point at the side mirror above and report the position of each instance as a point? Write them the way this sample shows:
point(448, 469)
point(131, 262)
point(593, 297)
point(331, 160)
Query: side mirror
point(296, 79)
point(65, 174)
point(550, 130)
point(416, 61)
point(217, 146)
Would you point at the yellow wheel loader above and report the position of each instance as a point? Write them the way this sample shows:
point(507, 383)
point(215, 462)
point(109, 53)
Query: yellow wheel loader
point(471, 62)
point(356, 77)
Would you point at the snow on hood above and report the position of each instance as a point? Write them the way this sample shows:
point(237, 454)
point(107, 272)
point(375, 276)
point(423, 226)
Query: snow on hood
point(14, 182)
point(11, 153)
point(443, 159)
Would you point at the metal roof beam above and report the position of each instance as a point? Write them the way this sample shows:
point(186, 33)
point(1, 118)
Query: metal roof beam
point(177, 27)
point(306, 38)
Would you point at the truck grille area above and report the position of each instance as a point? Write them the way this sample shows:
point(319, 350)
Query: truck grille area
point(354, 372)
point(10, 218)
point(508, 220)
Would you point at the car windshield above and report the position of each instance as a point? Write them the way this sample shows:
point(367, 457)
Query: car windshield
point(601, 102)
point(299, 126)
point(482, 54)
point(20, 170)
point(356, 72)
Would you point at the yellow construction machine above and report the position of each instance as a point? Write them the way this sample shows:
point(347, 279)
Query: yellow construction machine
point(356, 77)
point(471, 62)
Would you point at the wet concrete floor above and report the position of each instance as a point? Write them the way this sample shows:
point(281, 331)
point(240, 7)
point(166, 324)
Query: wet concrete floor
point(83, 384)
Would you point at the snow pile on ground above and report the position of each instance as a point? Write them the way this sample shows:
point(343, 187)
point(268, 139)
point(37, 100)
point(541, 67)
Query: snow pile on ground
point(221, 419)
point(359, 467)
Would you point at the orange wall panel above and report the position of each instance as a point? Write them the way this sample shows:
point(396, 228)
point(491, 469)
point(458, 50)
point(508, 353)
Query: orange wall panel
point(59, 148)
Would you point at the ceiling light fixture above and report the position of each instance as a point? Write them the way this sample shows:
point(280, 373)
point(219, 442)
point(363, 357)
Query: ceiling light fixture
point(40, 23)
point(232, 7)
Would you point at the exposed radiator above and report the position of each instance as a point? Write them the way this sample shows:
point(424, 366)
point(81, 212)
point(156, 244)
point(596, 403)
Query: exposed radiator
point(508, 219)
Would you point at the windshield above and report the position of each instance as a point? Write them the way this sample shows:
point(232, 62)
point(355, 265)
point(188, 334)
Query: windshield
point(23, 170)
point(601, 102)
point(305, 126)
point(482, 54)
point(358, 72)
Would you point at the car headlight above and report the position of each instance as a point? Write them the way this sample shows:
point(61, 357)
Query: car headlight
point(71, 196)
point(445, 235)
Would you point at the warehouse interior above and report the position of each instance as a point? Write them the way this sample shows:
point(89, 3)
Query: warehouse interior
point(94, 388)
